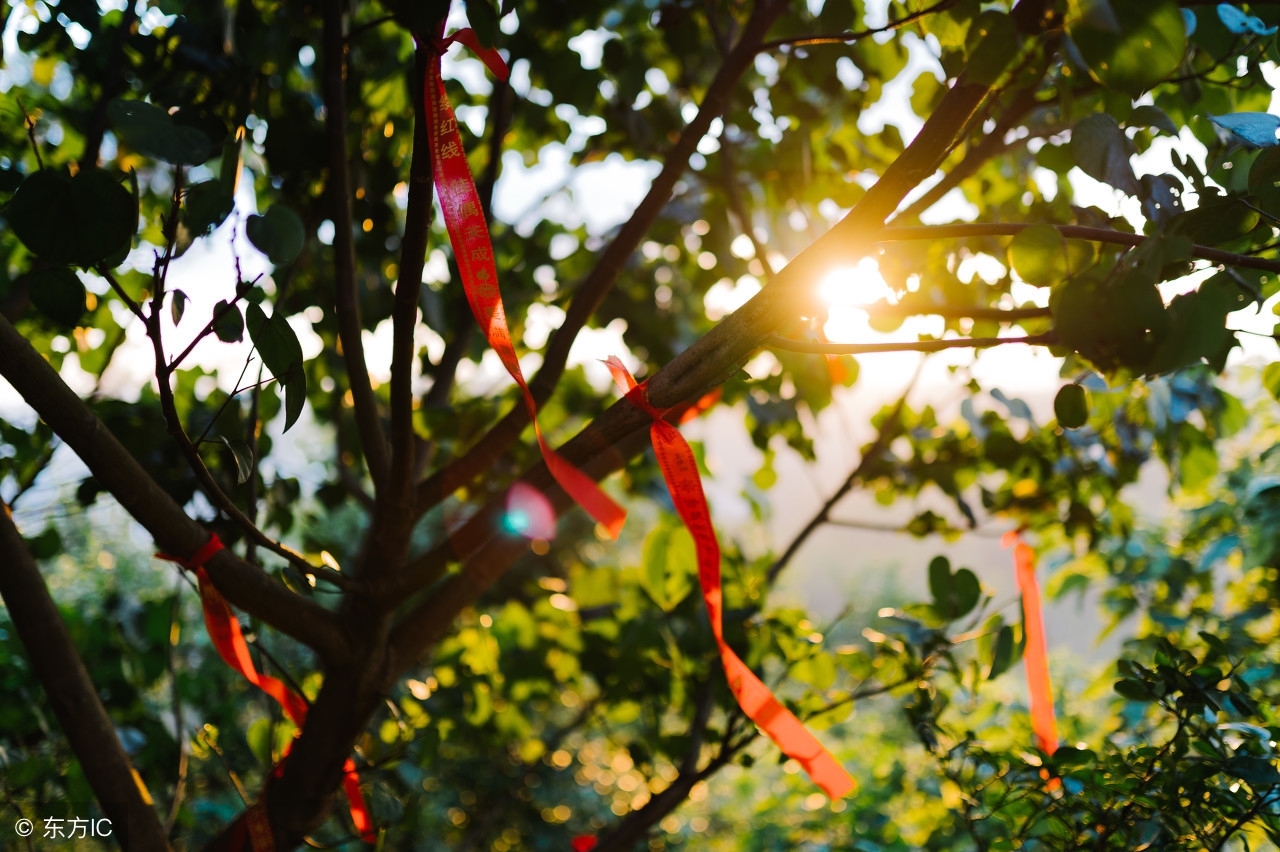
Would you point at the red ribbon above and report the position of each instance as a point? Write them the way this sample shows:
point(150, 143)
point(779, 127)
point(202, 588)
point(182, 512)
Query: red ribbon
point(680, 470)
point(224, 630)
point(469, 235)
point(1043, 723)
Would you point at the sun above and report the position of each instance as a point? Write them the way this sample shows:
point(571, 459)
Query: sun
point(846, 291)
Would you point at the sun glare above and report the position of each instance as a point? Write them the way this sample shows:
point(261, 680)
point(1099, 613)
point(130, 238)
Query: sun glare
point(854, 285)
point(846, 290)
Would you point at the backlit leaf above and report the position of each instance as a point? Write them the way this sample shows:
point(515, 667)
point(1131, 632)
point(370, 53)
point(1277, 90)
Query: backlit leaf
point(278, 346)
point(1071, 406)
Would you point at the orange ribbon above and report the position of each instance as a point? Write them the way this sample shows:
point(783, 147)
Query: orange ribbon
point(473, 252)
point(1043, 723)
point(224, 630)
point(680, 470)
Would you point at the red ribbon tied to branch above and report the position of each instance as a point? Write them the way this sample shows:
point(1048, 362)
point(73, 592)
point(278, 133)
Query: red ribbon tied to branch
point(680, 470)
point(1044, 725)
point(253, 830)
point(473, 252)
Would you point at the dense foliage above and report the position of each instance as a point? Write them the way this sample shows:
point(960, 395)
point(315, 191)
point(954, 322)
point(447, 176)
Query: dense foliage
point(330, 411)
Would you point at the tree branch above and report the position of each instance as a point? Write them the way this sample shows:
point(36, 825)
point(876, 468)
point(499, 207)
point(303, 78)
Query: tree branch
point(989, 146)
point(243, 584)
point(404, 315)
point(888, 431)
point(347, 301)
point(72, 695)
point(813, 347)
point(1073, 232)
point(588, 296)
point(855, 35)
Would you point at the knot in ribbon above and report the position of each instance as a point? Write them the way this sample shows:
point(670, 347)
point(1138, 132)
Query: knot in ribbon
point(464, 219)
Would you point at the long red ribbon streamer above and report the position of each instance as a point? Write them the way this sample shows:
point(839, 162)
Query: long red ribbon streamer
point(680, 470)
point(469, 234)
point(224, 630)
point(1044, 724)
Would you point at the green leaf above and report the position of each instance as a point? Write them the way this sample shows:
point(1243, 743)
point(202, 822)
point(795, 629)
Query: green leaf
point(992, 42)
point(78, 220)
point(1130, 45)
point(1271, 379)
point(1197, 330)
point(206, 205)
point(1134, 690)
point(278, 234)
point(1071, 406)
point(1217, 221)
point(669, 562)
point(1151, 116)
point(243, 456)
point(483, 18)
point(1257, 772)
point(177, 306)
point(1039, 255)
point(818, 671)
point(150, 130)
point(954, 595)
point(1101, 150)
point(940, 579)
point(228, 324)
point(58, 293)
point(836, 16)
point(281, 353)
point(1197, 466)
point(1002, 654)
point(1264, 173)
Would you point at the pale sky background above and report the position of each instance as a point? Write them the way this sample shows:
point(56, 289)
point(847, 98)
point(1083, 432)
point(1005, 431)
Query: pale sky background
point(601, 196)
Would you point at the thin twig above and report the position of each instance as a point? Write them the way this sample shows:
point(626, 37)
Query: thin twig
point(1074, 232)
point(888, 431)
point(134, 307)
point(31, 132)
point(850, 36)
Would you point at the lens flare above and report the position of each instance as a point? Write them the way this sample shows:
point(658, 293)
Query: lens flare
point(529, 513)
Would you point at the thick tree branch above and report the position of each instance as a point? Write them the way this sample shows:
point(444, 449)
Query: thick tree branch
point(990, 145)
point(347, 301)
point(245, 585)
point(72, 695)
point(588, 296)
point(404, 316)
